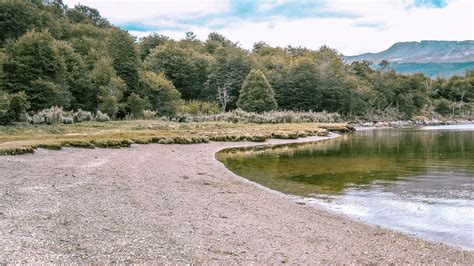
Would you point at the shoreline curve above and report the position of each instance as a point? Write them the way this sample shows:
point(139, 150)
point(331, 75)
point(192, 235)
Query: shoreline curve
point(177, 204)
point(313, 202)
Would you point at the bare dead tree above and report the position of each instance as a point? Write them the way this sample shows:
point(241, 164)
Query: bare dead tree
point(428, 83)
point(223, 96)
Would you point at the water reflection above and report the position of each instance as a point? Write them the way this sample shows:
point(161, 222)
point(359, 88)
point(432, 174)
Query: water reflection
point(355, 159)
point(425, 178)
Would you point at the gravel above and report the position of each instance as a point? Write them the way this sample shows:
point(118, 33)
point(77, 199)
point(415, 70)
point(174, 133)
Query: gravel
point(177, 204)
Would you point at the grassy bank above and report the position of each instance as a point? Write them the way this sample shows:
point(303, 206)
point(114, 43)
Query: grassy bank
point(25, 138)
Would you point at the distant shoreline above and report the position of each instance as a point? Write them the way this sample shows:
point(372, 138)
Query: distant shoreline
point(408, 123)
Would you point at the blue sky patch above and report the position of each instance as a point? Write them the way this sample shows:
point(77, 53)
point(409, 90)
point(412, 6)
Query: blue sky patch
point(431, 3)
point(253, 11)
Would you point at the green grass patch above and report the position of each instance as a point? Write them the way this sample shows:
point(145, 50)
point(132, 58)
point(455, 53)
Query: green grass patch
point(24, 138)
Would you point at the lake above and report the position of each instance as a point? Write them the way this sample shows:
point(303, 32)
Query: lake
point(419, 181)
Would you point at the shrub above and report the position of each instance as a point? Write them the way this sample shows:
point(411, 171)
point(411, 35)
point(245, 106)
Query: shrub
point(101, 117)
point(136, 105)
point(37, 119)
point(6, 117)
point(81, 116)
point(53, 115)
point(109, 106)
point(196, 107)
point(18, 106)
point(389, 114)
point(55, 147)
point(56, 115)
point(17, 151)
point(149, 114)
point(67, 120)
point(443, 106)
point(274, 117)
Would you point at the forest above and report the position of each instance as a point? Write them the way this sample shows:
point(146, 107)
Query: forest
point(74, 60)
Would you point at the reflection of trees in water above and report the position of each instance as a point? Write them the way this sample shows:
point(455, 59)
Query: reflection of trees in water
point(359, 159)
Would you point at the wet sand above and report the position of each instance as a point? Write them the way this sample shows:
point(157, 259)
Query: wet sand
point(177, 204)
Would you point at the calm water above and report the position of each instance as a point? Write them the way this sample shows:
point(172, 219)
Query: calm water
point(417, 181)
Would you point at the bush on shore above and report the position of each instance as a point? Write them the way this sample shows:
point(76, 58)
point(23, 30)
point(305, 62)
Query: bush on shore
point(272, 117)
point(56, 115)
point(200, 108)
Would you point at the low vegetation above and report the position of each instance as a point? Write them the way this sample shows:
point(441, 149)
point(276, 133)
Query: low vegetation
point(25, 138)
point(199, 113)
point(272, 117)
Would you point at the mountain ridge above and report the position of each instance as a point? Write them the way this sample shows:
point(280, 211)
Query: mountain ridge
point(452, 57)
point(423, 52)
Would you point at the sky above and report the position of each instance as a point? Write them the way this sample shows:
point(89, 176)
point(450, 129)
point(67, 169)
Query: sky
point(350, 26)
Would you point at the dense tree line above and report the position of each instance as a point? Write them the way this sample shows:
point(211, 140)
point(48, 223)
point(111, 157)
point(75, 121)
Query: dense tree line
point(53, 55)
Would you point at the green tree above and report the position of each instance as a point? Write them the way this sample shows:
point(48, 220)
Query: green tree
point(185, 68)
point(57, 56)
point(77, 79)
point(215, 41)
point(35, 65)
point(105, 82)
point(44, 94)
point(136, 105)
point(19, 105)
point(87, 39)
point(122, 50)
point(164, 98)
point(443, 106)
point(84, 14)
point(109, 106)
point(256, 95)
point(16, 18)
point(6, 117)
point(150, 42)
point(301, 89)
point(334, 89)
point(33, 56)
point(275, 64)
point(228, 69)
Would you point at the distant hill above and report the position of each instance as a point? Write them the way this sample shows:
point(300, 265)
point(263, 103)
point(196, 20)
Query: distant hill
point(434, 69)
point(432, 58)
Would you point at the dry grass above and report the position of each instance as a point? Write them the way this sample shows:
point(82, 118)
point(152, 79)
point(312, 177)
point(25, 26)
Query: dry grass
point(25, 138)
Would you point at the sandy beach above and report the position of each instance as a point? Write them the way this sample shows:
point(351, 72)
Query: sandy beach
point(177, 204)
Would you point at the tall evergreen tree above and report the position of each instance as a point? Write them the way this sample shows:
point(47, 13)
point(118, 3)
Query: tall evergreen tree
point(275, 64)
point(256, 95)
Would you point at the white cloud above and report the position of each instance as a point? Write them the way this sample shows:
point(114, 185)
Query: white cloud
point(377, 24)
point(126, 11)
